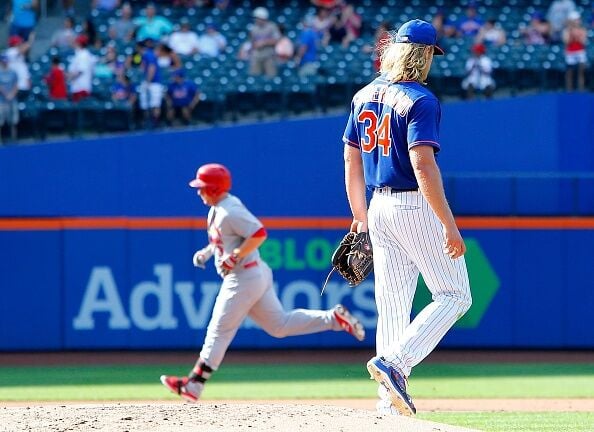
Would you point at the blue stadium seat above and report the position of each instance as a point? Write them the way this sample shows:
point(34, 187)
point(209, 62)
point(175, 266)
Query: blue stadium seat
point(56, 116)
point(116, 116)
point(300, 93)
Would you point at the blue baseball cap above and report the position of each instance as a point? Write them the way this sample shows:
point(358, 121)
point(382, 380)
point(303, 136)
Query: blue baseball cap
point(420, 32)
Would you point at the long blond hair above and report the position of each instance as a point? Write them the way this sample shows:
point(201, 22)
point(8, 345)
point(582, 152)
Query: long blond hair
point(403, 61)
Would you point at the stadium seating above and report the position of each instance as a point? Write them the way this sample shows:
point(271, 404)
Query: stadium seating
point(226, 88)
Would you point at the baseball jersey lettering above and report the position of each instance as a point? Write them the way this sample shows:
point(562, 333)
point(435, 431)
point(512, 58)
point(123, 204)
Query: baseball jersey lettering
point(387, 120)
point(393, 97)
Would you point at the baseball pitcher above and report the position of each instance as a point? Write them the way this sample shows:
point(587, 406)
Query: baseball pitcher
point(391, 139)
point(234, 235)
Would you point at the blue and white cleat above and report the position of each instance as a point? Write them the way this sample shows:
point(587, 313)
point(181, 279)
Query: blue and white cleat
point(394, 382)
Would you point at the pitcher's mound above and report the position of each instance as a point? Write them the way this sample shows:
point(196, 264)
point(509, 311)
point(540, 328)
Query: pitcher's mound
point(208, 417)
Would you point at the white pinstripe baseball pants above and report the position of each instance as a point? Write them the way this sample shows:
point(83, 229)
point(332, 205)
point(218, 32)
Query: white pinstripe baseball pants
point(407, 238)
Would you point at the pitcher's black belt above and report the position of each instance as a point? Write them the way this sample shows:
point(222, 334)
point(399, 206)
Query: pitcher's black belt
point(386, 190)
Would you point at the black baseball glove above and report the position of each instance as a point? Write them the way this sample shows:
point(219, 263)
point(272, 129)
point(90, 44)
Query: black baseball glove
point(353, 258)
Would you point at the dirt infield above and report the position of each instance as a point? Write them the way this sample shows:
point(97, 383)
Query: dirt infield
point(207, 417)
point(423, 405)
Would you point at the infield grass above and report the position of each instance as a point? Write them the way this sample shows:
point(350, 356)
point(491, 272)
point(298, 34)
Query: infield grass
point(327, 381)
point(306, 381)
point(517, 421)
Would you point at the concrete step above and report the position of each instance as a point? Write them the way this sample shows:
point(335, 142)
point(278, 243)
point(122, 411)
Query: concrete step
point(43, 35)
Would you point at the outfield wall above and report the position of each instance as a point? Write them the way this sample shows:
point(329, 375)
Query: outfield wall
point(97, 236)
point(136, 288)
point(514, 150)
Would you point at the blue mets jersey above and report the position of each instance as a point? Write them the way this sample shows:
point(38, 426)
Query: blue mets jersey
point(386, 121)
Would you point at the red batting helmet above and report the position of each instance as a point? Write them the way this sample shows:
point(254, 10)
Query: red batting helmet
point(213, 178)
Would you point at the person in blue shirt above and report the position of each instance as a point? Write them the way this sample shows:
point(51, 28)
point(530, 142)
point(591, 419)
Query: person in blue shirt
point(390, 143)
point(150, 91)
point(24, 17)
point(307, 51)
point(182, 98)
point(470, 25)
point(122, 90)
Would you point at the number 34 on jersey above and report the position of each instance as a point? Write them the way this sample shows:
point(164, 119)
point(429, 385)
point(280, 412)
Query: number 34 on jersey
point(376, 132)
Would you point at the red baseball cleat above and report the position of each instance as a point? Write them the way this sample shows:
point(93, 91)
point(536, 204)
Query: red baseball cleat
point(348, 322)
point(188, 390)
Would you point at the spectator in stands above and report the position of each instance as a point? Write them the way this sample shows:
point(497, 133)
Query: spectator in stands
point(443, 26)
point(263, 37)
point(212, 42)
point(17, 54)
point(88, 29)
point(122, 29)
point(491, 34)
point(122, 90)
point(80, 70)
point(150, 90)
point(479, 69)
point(575, 38)
point(382, 36)
point(335, 33)
point(152, 26)
point(352, 22)
point(307, 50)
point(557, 16)
point(105, 5)
point(56, 81)
point(345, 28)
point(9, 110)
point(24, 17)
point(64, 37)
point(470, 25)
point(109, 65)
point(322, 21)
point(245, 51)
point(167, 58)
point(537, 32)
point(284, 48)
point(182, 98)
point(184, 41)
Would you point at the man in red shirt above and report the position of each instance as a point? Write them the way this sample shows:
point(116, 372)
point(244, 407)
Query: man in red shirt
point(56, 80)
